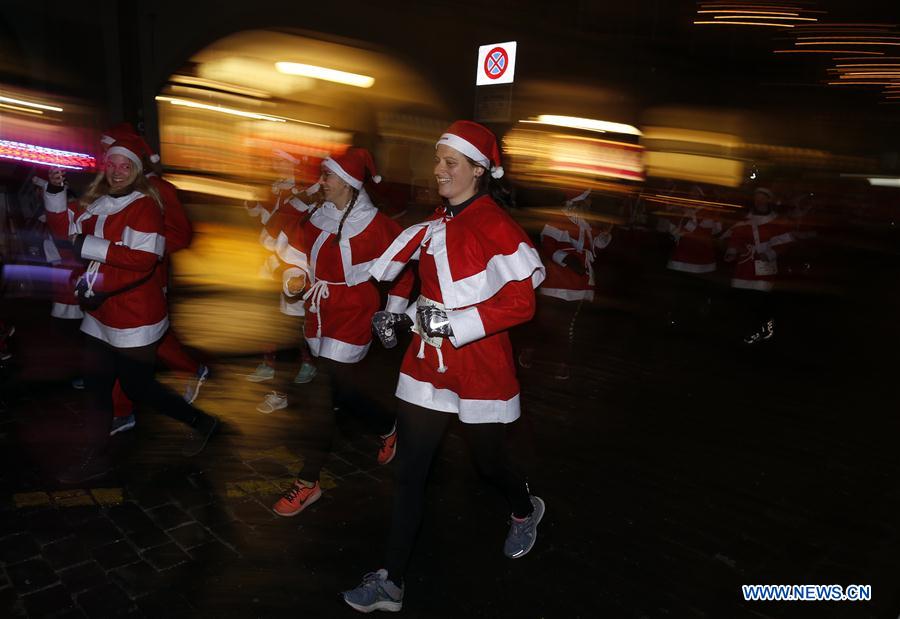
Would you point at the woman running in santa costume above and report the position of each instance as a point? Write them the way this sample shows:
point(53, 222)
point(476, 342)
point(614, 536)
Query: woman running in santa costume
point(478, 272)
point(120, 232)
point(330, 252)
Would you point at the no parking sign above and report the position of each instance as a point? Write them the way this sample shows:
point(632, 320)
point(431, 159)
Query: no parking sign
point(496, 64)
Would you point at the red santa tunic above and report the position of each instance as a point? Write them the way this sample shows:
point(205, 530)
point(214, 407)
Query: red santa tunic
point(565, 236)
point(752, 243)
point(695, 248)
point(124, 240)
point(482, 269)
point(341, 297)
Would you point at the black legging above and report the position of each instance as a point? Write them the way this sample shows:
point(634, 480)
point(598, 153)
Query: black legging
point(135, 369)
point(319, 422)
point(419, 433)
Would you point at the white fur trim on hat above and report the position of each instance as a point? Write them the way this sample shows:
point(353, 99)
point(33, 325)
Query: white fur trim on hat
point(121, 150)
point(335, 167)
point(468, 149)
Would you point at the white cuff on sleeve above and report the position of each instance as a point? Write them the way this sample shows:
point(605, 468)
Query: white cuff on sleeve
point(289, 274)
point(55, 202)
point(466, 326)
point(94, 248)
point(559, 256)
point(396, 305)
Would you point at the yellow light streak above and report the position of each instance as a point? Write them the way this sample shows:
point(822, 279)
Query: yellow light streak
point(743, 12)
point(220, 109)
point(203, 82)
point(744, 23)
point(40, 106)
point(322, 73)
point(752, 17)
point(20, 109)
point(588, 124)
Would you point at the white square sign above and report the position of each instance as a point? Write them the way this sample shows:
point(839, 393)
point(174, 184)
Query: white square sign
point(496, 64)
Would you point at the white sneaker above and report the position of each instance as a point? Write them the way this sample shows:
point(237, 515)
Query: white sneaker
point(262, 373)
point(274, 401)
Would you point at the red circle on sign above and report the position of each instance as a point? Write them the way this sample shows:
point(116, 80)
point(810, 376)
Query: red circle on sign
point(495, 63)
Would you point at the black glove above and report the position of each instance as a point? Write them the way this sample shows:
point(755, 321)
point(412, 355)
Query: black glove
point(433, 321)
point(576, 263)
point(387, 324)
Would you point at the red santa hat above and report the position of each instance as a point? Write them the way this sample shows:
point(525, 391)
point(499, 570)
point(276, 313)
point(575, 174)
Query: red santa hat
point(476, 142)
point(352, 166)
point(131, 146)
point(126, 130)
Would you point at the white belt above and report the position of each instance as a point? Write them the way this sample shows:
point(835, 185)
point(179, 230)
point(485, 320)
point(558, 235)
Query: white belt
point(316, 293)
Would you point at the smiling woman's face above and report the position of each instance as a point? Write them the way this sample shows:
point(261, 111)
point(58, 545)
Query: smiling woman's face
point(457, 179)
point(120, 172)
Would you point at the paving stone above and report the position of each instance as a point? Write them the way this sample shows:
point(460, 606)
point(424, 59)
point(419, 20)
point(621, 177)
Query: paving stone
point(340, 468)
point(168, 604)
point(165, 557)
point(65, 552)
point(149, 538)
point(137, 579)
point(214, 514)
point(271, 469)
point(169, 516)
point(49, 526)
point(99, 532)
point(210, 551)
point(11, 604)
point(83, 577)
point(149, 497)
point(115, 555)
point(31, 575)
point(18, 548)
point(129, 517)
point(12, 522)
point(81, 514)
point(106, 601)
point(252, 512)
point(48, 601)
point(189, 497)
point(190, 535)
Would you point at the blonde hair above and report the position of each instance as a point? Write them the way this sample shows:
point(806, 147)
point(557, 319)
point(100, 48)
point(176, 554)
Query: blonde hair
point(136, 182)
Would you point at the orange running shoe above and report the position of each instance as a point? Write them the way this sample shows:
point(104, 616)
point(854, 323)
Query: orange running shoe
point(297, 498)
point(388, 447)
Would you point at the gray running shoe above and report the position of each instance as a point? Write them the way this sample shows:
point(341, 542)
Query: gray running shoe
point(375, 592)
point(522, 535)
